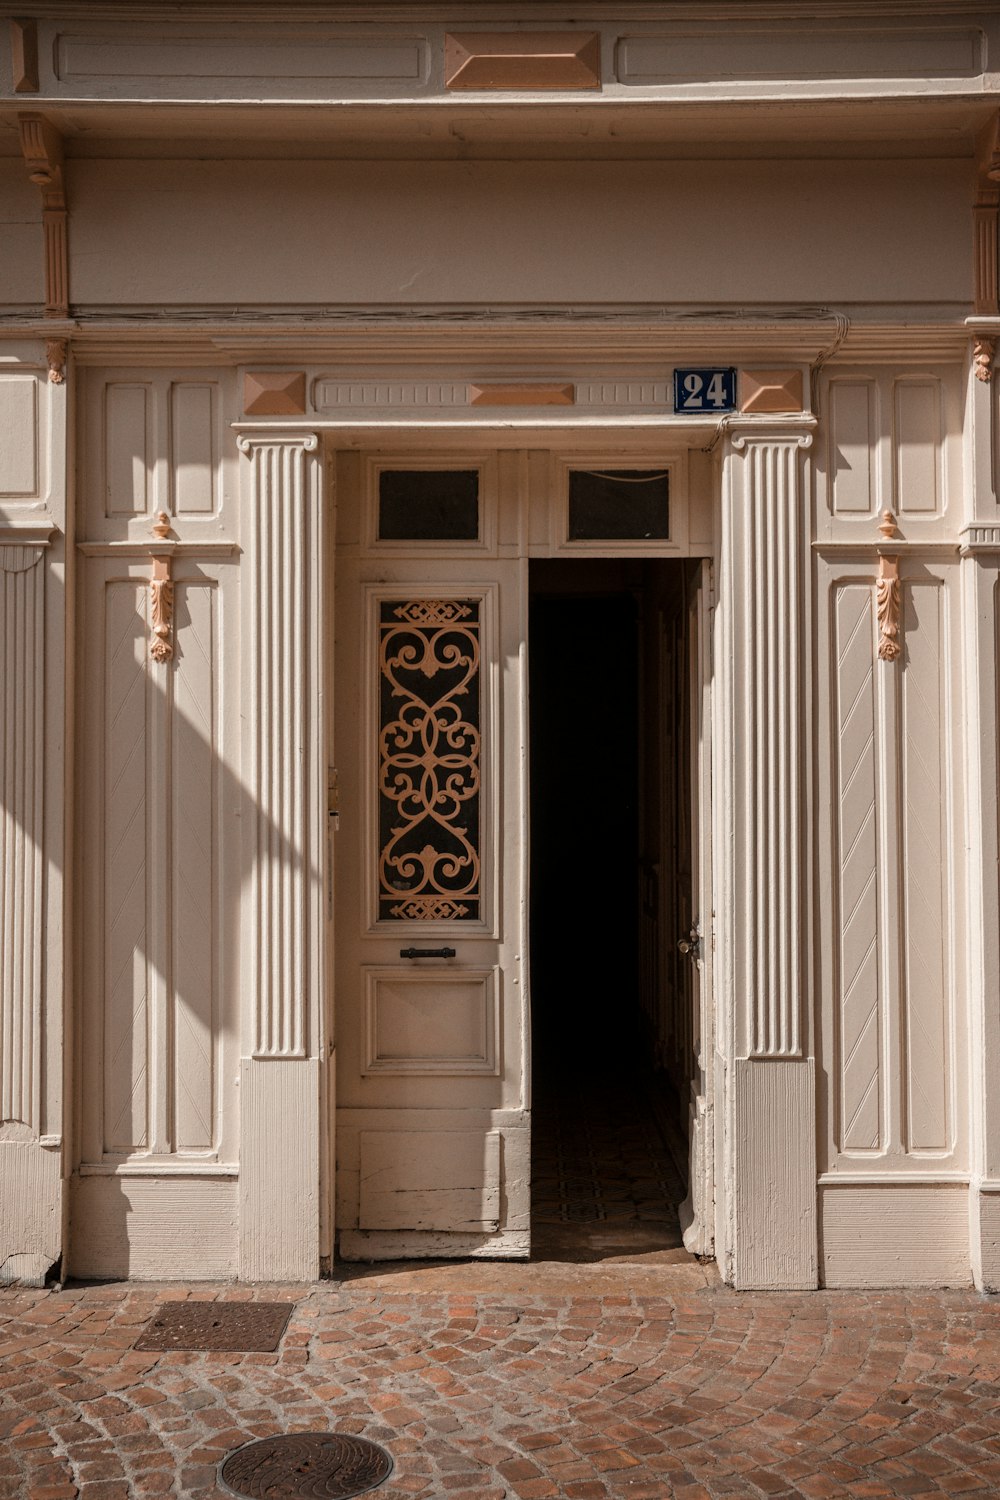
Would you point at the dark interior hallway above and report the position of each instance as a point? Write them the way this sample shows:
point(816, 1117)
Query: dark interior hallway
point(608, 1158)
point(607, 1167)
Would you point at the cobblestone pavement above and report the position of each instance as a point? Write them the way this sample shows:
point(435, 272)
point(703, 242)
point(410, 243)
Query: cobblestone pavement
point(493, 1381)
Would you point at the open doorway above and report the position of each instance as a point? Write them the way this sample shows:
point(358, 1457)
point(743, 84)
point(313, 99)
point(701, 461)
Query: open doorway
point(613, 1024)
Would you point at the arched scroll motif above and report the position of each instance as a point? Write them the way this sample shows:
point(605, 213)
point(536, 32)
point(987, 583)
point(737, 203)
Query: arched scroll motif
point(429, 746)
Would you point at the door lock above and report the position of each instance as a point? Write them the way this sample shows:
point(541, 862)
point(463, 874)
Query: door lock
point(691, 945)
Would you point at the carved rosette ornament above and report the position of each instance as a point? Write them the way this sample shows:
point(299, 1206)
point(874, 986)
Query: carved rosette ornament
point(161, 590)
point(887, 595)
point(983, 354)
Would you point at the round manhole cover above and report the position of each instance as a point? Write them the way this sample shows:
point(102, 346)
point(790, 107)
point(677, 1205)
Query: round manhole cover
point(313, 1465)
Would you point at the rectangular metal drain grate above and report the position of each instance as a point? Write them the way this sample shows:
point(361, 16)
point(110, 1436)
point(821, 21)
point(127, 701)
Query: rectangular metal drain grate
point(227, 1327)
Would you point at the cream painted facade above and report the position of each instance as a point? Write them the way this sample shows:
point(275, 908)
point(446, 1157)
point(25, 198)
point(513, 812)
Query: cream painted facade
point(255, 256)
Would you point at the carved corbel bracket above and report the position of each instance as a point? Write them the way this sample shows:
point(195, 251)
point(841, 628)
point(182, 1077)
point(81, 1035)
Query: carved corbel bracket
point(161, 588)
point(983, 354)
point(55, 354)
point(887, 594)
point(42, 149)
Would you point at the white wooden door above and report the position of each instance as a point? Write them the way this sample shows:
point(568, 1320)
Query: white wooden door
point(698, 1210)
point(432, 1125)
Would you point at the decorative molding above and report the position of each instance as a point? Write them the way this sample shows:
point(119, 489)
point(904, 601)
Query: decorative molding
point(55, 354)
point(770, 391)
point(22, 842)
point(286, 781)
point(332, 395)
point(983, 353)
point(522, 395)
point(980, 537)
point(26, 534)
point(495, 60)
point(161, 610)
point(888, 600)
point(161, 597)
point(137, 547)
point(42, 149)
point(887, 593)
point(20, 557)
point(655, 394)
point(24, 56)
point(743, 437)
point(432, 611)
point(274, 393)
point(845, 547)
point(429, 909)
point(984, 214)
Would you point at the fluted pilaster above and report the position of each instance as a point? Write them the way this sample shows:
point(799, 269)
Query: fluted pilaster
point(768, 530)
point(22, 727)
point(767, 811)
point(284, 596)
point(283, 696)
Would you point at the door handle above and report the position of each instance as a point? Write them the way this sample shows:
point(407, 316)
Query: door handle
point(691, 945)
point(427, 952)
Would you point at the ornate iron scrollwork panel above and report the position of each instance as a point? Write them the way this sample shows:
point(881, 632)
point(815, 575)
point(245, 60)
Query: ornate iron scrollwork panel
point(429, 746)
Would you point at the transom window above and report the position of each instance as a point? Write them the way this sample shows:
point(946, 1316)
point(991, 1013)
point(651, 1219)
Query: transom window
point(619, 505)
point(428, 505)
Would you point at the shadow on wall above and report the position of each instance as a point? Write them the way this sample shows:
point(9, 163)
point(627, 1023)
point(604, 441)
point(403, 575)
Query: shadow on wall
point(165, 856)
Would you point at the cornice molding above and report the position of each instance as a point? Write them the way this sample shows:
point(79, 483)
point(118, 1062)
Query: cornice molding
point(488, 10)
point(610, 337)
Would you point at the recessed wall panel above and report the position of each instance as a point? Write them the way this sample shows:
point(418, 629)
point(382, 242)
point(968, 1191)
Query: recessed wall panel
point(193, 455)
point(127, 450)
point(194, 841)
point(919, 446)
point(126, 970)
point(783, 54)
point(928, 1058)
point(853, 438)
point(18, 437)
point(860, 1039)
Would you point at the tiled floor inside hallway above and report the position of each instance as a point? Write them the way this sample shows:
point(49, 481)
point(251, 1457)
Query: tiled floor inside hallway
point(608, 1164)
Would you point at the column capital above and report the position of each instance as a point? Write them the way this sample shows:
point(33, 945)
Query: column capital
point(276, 437)
point(792, 430)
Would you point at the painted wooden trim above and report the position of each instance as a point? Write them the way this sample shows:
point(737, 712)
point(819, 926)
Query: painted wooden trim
point(495, 60)
point(154, 1230)
point(773, 1175)
point(279, 1170)
point(765, 391)
point(274, 393)
point(899, 1235)
point(24, 56)
point(171, 1166)
point(847, 548)
point(522, 395)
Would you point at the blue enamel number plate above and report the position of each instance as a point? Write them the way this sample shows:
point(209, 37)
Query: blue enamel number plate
point(705, 390)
